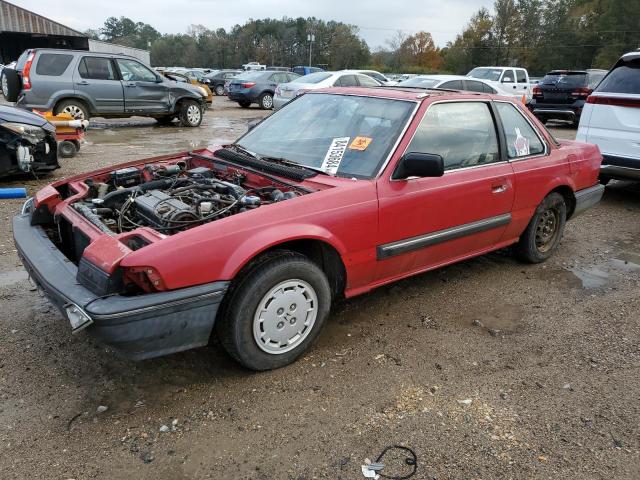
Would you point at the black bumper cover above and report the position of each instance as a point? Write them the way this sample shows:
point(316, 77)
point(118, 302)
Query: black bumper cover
point(144, 326)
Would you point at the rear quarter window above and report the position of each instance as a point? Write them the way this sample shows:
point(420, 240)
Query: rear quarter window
point(52, 64)
point(622, 79)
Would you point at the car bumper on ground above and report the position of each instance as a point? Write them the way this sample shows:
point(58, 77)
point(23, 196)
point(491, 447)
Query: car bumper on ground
point(143, 326)
point(614, 166)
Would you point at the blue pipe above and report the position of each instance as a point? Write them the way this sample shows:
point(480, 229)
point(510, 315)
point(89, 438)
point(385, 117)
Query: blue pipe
point(6, 193)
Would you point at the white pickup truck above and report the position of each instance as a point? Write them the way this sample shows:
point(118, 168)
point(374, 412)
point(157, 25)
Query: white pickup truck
point(512, 79)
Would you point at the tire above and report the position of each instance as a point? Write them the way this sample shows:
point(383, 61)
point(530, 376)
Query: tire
point(244, 103)
point(604, 180)
point(11, 84)
point(190, 114)
point(76, 108)
point(76, 143)
point(219, 90)
point(67, 149)
point(266, 101)
point(254, 309)
point(544, 232)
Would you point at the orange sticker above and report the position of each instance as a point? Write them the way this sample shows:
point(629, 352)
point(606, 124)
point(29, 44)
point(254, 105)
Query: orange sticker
point(360, 143)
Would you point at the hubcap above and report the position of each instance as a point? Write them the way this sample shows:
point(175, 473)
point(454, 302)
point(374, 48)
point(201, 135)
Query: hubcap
point(547, 229)
point(285, 316)
point(75, 111)
point(267, 101)
point(193, 114)
point(5, 86)
point(219, 90)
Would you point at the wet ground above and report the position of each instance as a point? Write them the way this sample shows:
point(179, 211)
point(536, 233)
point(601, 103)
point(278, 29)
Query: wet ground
point(487, 369)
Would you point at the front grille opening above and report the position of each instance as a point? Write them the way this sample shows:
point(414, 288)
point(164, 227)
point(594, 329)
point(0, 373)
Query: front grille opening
point(70, 241)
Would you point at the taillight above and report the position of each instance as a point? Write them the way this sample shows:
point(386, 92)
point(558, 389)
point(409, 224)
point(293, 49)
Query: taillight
point(614, 101)
point(248, 84)
point(582, 92)
point(26, 81)
point(537, 91)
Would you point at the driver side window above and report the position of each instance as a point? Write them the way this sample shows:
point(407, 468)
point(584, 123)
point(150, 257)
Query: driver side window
point(463, 133)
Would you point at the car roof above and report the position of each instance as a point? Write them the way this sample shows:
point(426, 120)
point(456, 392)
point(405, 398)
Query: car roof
point(631, 56)
point(443, 77)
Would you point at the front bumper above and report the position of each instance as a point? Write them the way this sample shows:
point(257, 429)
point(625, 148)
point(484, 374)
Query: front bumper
point(143, 326)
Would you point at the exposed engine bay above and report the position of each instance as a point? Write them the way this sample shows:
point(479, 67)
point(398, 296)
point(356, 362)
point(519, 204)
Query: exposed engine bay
point(173, 198)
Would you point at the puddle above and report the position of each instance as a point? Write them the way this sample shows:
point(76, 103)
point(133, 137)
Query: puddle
point(600, 275)
point(8, 279)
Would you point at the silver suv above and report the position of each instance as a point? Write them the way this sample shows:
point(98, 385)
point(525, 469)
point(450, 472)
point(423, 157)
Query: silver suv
point(88, 84)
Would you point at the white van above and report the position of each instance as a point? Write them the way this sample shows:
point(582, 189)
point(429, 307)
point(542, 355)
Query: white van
point(512, 79)
point(611, 120)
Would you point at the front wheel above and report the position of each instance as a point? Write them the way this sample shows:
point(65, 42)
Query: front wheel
point(219, 90)
point(542, 236)
point(190, 114)
point(274, 311)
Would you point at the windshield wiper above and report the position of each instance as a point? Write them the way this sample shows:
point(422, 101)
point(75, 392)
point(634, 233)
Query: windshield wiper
point(286, 161)
point(241, 149)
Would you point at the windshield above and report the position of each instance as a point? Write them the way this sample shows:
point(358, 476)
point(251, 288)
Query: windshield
point(565, 79)
point(312, 78)
point(419, 82)
point(492, 74)
point(342, 135)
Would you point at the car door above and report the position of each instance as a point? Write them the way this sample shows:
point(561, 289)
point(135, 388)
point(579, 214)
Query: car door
point(508, 81)
point(522, 82)
point(144, 91)
point(427, 222)
point(97, 78)
point(533, 163)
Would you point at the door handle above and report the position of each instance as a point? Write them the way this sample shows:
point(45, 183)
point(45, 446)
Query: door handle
point(499, 187)
point(82, 83)
point(131, 85)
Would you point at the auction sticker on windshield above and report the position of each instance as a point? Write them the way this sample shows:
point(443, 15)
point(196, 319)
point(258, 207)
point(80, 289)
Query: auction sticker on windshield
point(334, 155)
point(360, 143)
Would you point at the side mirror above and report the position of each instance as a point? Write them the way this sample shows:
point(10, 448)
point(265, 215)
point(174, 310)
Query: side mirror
point(419, 165)
point(507, 80)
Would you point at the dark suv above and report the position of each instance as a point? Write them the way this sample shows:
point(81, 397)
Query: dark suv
point(87, 84)
point(258, 87)
point(561, 94)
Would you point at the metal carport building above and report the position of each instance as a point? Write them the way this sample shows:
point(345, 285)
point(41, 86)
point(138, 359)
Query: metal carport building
point(21, 29)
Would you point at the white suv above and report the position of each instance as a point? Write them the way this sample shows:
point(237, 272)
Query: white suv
point(611, 120)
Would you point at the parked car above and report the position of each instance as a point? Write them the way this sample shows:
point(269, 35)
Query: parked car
point(344, 78)
point(184, 78)
point(257, 87)
point(561, 95)
point(611, 120)
point(27, 142)
point(514, 80)
point(324, 199)
point(456, 82)
point(300, 70)
point(253, 66)
point(217, 80)
point(378, 77)
point(88, 84)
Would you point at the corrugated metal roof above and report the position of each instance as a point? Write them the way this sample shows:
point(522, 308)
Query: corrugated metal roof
point(17, 19)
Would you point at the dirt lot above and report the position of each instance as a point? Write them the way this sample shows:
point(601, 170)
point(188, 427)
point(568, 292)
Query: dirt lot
point(487, 369)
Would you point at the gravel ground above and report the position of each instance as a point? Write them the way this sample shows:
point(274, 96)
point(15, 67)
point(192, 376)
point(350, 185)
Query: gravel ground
point(487, 369)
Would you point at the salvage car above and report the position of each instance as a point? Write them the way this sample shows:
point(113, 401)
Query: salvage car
point(342, 191)
point(90, 84)
point(27, 142)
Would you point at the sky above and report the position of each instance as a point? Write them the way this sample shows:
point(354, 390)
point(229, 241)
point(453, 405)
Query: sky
point(377, 20)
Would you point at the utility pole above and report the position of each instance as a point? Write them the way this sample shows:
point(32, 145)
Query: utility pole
point(310, 38)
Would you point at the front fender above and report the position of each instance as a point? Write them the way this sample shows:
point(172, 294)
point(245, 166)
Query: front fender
point(273, 236)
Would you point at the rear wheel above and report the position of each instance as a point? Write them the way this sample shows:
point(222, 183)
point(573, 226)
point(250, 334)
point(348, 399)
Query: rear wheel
point(274, 311)
point(11, 84)
point(190, 114)
point(542, 236)
point(75, 108)
point(219, 90)
point(266, 101)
